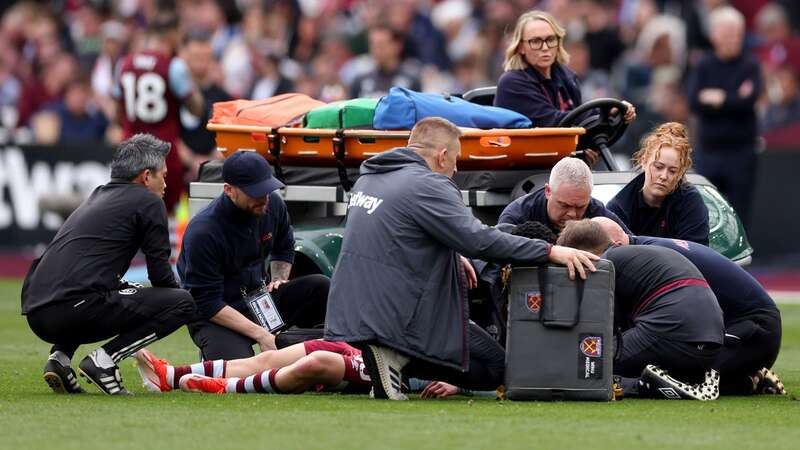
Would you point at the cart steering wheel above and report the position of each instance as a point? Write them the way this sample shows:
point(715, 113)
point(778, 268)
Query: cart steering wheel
point(603, 129)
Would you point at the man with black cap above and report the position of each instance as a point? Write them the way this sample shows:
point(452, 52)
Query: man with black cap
point(222, 263)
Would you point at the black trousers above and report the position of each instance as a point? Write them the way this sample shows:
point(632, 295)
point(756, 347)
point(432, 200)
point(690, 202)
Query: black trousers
point(734, 174)
point(686, 361)
point(301, 302)
point(751, 343)
point(487, 364)
point(136, 316)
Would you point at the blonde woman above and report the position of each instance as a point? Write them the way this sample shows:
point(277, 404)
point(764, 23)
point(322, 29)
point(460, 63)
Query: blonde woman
point(659, 201)
point(537, 82)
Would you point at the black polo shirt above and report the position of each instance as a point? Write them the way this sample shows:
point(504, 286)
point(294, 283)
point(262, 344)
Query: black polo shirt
point(682, 215)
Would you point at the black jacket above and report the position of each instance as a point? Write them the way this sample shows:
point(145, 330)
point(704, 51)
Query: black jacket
point(544, 101)
point(533, 206)
point(733, 125)
point(94, 248)
point(682, 215)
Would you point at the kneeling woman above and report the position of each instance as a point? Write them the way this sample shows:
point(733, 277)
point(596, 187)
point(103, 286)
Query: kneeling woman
point(659, 201)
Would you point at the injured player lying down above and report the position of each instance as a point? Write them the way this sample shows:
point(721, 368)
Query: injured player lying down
point(312, 365)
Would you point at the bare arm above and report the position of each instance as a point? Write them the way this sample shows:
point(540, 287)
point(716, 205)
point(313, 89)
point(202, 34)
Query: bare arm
point(234, 320)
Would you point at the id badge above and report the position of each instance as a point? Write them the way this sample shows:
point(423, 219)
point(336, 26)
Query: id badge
point(264, 310)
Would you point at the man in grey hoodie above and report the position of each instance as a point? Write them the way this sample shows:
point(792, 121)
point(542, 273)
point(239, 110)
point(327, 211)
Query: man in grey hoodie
point(399, 291)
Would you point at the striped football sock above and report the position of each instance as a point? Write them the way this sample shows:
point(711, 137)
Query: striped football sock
point(262, 382)
point(214, 369)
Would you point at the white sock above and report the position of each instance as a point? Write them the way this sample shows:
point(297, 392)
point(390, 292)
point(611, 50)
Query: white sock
point(61, 357)
point(102, 359)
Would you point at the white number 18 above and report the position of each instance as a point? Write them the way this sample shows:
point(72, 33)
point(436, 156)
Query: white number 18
point(144, 97)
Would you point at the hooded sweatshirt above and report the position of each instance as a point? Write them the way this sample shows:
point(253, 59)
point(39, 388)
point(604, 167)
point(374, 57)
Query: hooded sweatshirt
point(399, 281)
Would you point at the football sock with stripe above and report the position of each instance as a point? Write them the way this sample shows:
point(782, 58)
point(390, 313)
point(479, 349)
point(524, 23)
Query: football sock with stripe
point(262, 382)
point(214, 369)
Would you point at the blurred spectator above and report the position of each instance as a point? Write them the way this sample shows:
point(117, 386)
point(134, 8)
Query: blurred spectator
point(423, 41)
point(114, 36)
point(777, 44)
point(594, 83)
point(784, 99)
point(79, 120)
point(454, 18)
point(602, 36)
point(666, 102)
point(661, 43)
point(385, 48)
point(48, 88)
point(723, 89)
point(205, 71)
point(86, 32)
point(10, 87)
point(269, 80)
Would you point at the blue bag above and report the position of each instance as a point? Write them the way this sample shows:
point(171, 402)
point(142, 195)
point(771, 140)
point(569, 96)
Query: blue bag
point(403, 108)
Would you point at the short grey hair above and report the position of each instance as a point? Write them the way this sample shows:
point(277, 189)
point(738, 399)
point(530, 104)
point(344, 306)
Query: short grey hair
point(725, 14)
point(140, 152)
point(572, 171)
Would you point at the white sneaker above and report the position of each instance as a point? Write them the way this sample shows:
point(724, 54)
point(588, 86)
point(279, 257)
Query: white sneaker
point(385, 367)
point(655, 383)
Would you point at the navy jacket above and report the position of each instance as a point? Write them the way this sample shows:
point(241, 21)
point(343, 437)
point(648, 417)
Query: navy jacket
point(544, 101)
point(225, 249)
point(682, 215)
point(533, 206)
point(738, 293)
point(399, 280)
point(733, 125)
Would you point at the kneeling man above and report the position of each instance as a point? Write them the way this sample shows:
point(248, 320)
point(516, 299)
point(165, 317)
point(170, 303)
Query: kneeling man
point(666, 311)
point(752, 320)
point(73, 294)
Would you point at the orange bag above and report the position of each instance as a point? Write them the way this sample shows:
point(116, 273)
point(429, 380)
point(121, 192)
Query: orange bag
point(281, 110)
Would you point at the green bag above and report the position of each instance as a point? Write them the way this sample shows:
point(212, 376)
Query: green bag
point(355, 113)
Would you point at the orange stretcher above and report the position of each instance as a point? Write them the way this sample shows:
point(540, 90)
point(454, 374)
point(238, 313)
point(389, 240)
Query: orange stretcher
point(495, 149)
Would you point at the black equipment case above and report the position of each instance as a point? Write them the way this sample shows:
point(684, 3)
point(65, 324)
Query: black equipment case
point(560, 334)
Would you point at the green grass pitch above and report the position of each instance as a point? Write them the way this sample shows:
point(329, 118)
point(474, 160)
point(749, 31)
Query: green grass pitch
point(32, 417)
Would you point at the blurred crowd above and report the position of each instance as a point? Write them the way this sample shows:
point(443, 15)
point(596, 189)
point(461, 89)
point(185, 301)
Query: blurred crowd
point(57, 57)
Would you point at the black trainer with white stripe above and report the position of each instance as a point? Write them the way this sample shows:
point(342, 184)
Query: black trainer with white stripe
point(107, 379)
point(385, 367)
point(61, 379)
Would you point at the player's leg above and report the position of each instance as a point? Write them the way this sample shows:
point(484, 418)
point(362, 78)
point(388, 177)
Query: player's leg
point(265, 360)
point(49, 324)
point(139, 317)
point(135, 316)
point(320, 368)
point(282, 357)
point(751, 347)
point(158, 375)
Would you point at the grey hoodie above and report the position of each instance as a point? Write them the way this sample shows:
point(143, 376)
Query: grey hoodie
point(399, 280)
